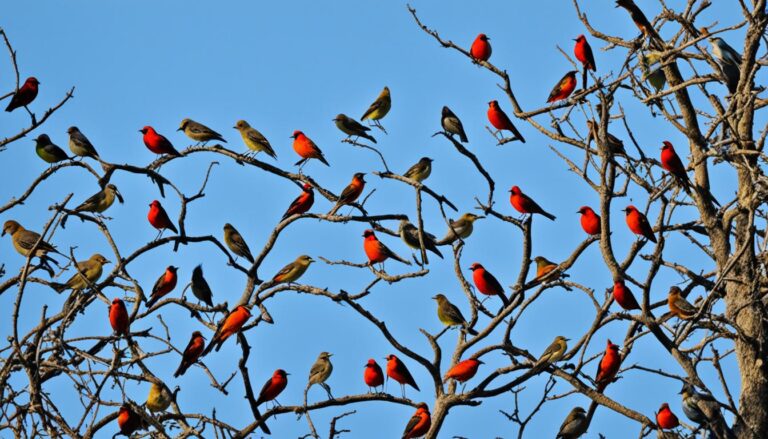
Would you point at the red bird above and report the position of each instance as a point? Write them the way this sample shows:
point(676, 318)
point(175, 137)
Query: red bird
point(624, 296)
point(481, 48)
point(191, 353)
point(672, 163)
point(583, 53)
point(608, 366)
point(638, 223)
point(302, 203)
point(231, 325)
point(129, 421)
point(350, 193)
point(525, 205)
point(25, 95)
point(665, 419)
point(501, 121)
point(564, 88)
point(157, 143)
point(159, 218)
point(164, 285)
point(463, 370)
point(118, 317)
point(376, 251)
point(419, 423)
point(486, 283)
point(306, 148)
point(373, 376)
point(590, 221)
point(397, 371)
point(273, 387)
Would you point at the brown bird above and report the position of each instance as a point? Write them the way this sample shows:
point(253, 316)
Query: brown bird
point(678, 306)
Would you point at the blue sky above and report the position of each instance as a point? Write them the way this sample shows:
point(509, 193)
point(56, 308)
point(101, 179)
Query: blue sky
point(284, 66)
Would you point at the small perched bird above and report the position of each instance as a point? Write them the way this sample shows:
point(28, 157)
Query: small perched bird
point(379, 108)
point(638, 223)
point(397, 371)
point(525, 205)
point(236, 243)
point(373, 375)
point(637, 16)
point(671, 162)
point(729, 60)
point(88, 273)
point(159, 397)
point(254, 140)
point(486, 283)
point(481, 48)
point(101, 200)
point(452, 125)
point(654, 76)
point(613, 144)
point(306, 149)
point(320, 372)
point(199, 132)
point(24, 95)
point(191, 353)
point(551, 355)
point(564, 87)
point(48, 151)
point(583, 53)
point(118, 317)
point(704, 410)
point(678, 306)
point(459, 229)
point(302, 203)
point(574, 425)
point(545, 269)
point(24, 240)
point(128, 421)
point(590, 221)
point(200, 287)
point(231, 325)
point(352, 128)
point(157, 143)
point(80, 145)
point(377, 252)
point(273, 387)
point(159, 218)
point(665, 419)
point(350, 193)
point(463, 371)
point(624, 296)
point(410, 236)
point(501, 121)
point(419, 424)
point(608, 366)
point(293, 271)
point(450, 315)
point(164, 285)
point(420, 171)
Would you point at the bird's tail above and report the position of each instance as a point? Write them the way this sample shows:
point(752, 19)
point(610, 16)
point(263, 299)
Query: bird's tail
point(548, 215)
point(58, 287)
point(433, 248)
point(470, 330)
point(369, 137)
point(180, 371)
point(400, 258)
point(322, 159)
point(584, 78)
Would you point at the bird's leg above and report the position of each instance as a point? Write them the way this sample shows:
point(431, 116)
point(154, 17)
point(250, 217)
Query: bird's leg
point(158, 235)
point(463, 385)
point(378, 125)
point(32, 115)
point(328, 390)
point(402, 389)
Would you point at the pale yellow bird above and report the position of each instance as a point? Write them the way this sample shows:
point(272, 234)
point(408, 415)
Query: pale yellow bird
point(88, 273)
point(254, 140)
point(159, 397)
point(199, 132)
point(101, 201)
point(379, 108)
point(320, 372)
point(293, 271)
point(23, 240)
point(461, 228)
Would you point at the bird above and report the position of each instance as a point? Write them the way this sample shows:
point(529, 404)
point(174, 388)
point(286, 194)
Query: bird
point(293, 271)
point(665, 419)
point(486, 283)
point(159, 219)
point(48, 151)
point(320, 372)
point(157, 143)
point(129, 421)
point(200, 287)
point(637, 16)
point(373, 375)
point(419, 424)
point(397, 371)
point(583, 53)
point(352, 128)
point(501, 121)
point(306, 149)
point(236, 243)
point(231, 325)
point(459, 229)
point(199, 132)
point(452, 125)
point(159, 397)
point(671, 162)
point(254, 140)
point(101, 200)
point(551, 355)
point(410, 236)
point(638, 223)
point(450, 315)
point(350, 193)
point(614, 144)
point(564, 87)
point(24, 95)
point(463, 371)
point(525, 205)
point(88, 273)
point(481, 48)
point(704, 410)
point(379, 108)
point(678, 306)
point(574, 425)
point(24, 240)
point(164, 285)
point(273, 387)
point(191, 353)
point(544, 267)
point(624, 296)
point(729, 61)
point(118, 317)
point(420, 171)
point(80, 145)
point(377, 252)
point(590, 221)
point(608, 366)
point(655, 77)
point(302, 203)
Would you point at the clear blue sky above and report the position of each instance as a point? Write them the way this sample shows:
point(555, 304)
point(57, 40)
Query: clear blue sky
point(294, 65)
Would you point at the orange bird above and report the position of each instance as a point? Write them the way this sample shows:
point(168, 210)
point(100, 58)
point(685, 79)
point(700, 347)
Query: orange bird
point(564, 87)
point(350, 193)
point(501, 121)
point(624, 296)
point(230, 326)
point(191, 353)
point(638, 17)
point(273, 387)
point(118, 317)
point(157, 143)
point(665, 419)
point(376, 251)
point(525, 205)
point(129, 421)
point(481, 48)
point(608, 366)
point(302, 203)
point(306, 148)
point(584, 54)
point(419, 424)
point(25, 95)
point(372, 375)
point(164, 285)
point(159, 218)
point(487, 283)
point(590, 221)
point(463, 370)
point(397, 371)
point(678, 306)
point(638, 223)
point(672, 163)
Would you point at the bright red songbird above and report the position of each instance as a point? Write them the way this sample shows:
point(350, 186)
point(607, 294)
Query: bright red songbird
point(564, 87)
point(463, 370)
point(624, 296)
point(376, 251)
point(665, 419)
point(608, 366)
point(157, 143)
point(672, 163)
point(129, 421)
point(397, 371)
point(638, 223)
point(159, 218)
point(487, 283)
point(306, 149)
point(481, 48)
point(525, 205)
point(499, 119)
point(583, 53)
point(191, 353)
point(273, 387)
point(26, 94)
point(373, 375)
point(590, 221)
point(302, 203)
point(164, 285)
point(118, 317)
point(231, 325)
point(419, 423)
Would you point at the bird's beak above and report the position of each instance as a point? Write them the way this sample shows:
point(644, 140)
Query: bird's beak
point(434, 297)
point(141, 132)
point(2, 234)
point(311, 260)
point(180, 129)
point(479, 217)
point(567, 339)
point(119, 196)
point(234, 127)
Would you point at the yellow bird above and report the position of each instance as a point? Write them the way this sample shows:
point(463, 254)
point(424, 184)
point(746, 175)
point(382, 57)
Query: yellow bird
point(293, 271)
point(199, 132)
point(101, 201)
point(544, 267)
point(254, 140)
point(23, 240)
point(459, 229)
point(88, 273)
point(159, 397)
point(421, 170)
point(379, 108)
point(450, 315)
point(552, 354)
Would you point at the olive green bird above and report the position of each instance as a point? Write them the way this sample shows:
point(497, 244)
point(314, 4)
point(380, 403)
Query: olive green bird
point(80, 145)
point(199, 132)
point(351, 127)
point(379, 108)
point(459, 229)
point(236, 243)
point(101, 201)
point(410, 235)
point(88, 273)
point(159, 397)
point(293, 271)
point(655, 77)
point(23, 241)
point(450, 315)
point(420, 171)
point(574, 425)
point(254, 140)
point(320, 372)
point(49, 151)
point(551, 355)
